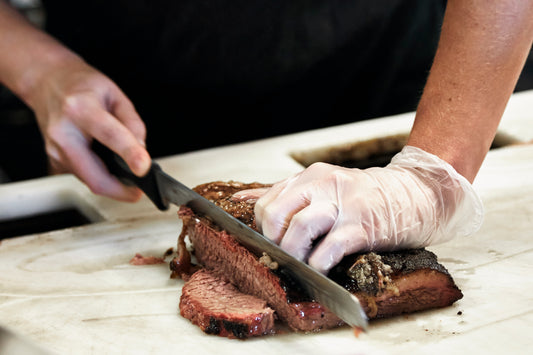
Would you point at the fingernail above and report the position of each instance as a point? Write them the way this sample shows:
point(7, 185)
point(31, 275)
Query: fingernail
point(144, 166)
point(141, 164)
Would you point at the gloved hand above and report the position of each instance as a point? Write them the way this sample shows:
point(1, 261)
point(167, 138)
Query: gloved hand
point(74, 104)
point(415, 201)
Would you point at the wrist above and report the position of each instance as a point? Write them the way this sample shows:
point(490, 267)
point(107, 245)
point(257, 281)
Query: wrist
point(27, 54)
point(455, 138)
point(456, 202)
point(30, 84)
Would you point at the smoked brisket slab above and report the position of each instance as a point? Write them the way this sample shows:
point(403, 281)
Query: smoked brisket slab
point(387, 284)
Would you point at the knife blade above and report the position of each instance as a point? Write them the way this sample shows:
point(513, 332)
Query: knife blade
point(163, 189)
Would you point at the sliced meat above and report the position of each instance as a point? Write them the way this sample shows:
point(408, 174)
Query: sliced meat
point(217, 307)
point(219, 252)
point(387, 284)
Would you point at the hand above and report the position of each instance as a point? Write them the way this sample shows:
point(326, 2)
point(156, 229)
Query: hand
point(415, 201)
point(74, 104)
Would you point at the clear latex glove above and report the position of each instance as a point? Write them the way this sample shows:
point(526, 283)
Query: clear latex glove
point(417, 200)
point(74, 104)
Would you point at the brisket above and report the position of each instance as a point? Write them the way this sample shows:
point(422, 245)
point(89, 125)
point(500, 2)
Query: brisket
point(217, 307)
point(387, 284)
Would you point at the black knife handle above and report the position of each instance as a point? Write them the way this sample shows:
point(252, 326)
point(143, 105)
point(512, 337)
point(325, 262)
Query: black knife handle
point(118, 167)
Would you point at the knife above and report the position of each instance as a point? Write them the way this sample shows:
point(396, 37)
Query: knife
point(162, 189)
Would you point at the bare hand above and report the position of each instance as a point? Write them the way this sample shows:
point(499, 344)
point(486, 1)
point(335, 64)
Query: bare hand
point(74, 104)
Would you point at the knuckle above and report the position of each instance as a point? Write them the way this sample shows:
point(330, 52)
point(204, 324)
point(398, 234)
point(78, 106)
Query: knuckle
point(327, 172)
point(134, 152)
point(139, 130)
point(59, 138)
point(300, 221)
point(54, 131)
point(269, 212)
point(96, 187)
point(338, 174)
point(71, 106)
point(318, 166)
point(109, 135)
point(53, 153)
point(55, 136)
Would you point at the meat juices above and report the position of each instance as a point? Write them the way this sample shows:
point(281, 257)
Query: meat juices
point(386, 284)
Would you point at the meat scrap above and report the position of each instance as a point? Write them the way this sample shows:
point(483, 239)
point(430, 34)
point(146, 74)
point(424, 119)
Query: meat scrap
point(386, 284)
point(139, 259)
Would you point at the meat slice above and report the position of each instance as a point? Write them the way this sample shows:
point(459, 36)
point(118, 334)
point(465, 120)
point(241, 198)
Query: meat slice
point(217, 307)
point(387, 284)
point(219, 252)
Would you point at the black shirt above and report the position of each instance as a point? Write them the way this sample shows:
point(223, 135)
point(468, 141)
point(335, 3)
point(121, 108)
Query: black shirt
point(247, 69)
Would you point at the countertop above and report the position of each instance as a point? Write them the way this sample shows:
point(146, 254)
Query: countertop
point(73, 291)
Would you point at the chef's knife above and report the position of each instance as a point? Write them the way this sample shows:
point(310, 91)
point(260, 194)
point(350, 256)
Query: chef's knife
point(162, 189)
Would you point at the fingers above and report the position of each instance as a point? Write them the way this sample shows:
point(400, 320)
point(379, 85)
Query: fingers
point(250, 195)
point(277, 207)
point(76, 104)
point(306, 226)
point(125, 112)
point(93, 119)
point(85, 117)
point(273, 218)
point(84, 164)
point(338, 243)
point(122, 141)
point(323, 203)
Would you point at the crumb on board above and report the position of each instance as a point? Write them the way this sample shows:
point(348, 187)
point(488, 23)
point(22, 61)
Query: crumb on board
point(139, 259)
point(357, 331)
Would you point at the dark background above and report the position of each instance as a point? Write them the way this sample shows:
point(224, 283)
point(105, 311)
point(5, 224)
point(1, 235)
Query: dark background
point(328, 63)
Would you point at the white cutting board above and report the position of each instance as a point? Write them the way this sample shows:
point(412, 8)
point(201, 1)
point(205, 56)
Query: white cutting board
point(74, 292)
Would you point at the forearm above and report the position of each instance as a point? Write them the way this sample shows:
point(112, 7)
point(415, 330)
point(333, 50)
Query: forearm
point(482, 50)
point(26, 53)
